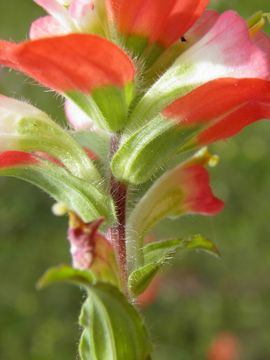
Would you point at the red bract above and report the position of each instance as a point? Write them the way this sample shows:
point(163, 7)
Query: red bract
point(224, 347)
point(198, 198)
point(90, 249)
point(67, 63)
point(221, 108)
point(159, 21)
point(16, 158)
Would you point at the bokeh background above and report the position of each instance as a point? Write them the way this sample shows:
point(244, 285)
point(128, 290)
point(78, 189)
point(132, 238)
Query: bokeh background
point(201, 297)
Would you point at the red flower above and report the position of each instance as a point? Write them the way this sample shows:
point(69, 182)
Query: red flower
point(158, 21)
point(221, 108)
point(75, 62)
point(224, 347)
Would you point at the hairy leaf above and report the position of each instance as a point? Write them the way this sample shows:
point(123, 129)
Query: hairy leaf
point(159, 253)
point(113, 329)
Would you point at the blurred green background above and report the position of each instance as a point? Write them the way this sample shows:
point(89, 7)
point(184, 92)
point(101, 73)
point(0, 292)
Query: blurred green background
point(201, 298)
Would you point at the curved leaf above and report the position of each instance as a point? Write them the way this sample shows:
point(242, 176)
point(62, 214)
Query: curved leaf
point(64, 273)
point(83, 198)
point(113, 329)
point(183, 190)
point(157, 254)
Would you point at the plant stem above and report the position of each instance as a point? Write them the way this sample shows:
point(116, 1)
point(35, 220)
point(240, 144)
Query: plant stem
point(117, 232)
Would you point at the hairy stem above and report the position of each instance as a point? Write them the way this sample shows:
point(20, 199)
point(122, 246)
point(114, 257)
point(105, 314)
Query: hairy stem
point(117, 232)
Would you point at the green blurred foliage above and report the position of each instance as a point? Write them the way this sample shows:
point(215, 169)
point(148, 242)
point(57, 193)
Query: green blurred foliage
point(201, 298)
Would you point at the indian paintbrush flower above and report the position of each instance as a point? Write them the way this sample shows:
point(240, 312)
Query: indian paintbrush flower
point(156, 78)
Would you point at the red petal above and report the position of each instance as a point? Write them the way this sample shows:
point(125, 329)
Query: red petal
point(199, 196)
point(91, 154)
point(224, 106)
point(202, 26)
point(16, 158)
point(72, 62)
point(230, 125)
point(159, 20)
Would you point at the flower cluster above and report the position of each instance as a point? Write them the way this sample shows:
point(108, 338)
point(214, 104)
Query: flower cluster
point(143, 81)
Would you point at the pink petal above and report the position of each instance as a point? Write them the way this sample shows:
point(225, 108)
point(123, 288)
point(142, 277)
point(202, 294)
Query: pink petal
point(58, 11)
point(227, 51)
point(77, 118)
point(79, 9)
point(201, 26)
point(44, 27)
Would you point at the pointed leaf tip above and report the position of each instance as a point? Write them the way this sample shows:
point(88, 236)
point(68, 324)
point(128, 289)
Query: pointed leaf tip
point(64, 273)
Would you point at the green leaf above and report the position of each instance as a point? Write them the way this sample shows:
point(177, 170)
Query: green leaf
point(160, 249)
point(139, 156)
point(157, 254)
point(26, 128)
point(155, 251)
point(107, 106)
point(96, 141)
point(176, 82)
point(64, 273)
point(139, 279)
point(198, 242)
point(113, 329)
point(85, 199)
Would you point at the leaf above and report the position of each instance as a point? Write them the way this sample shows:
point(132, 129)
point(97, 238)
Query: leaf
point(139, 279)
point(182, 190)
point(159, 249)
point(64, 273)
point(139, 157)
point(85, 199)
point(96, 141)
point(113, 329)
point(26, 128)
point(157, 254)
point(198, 242)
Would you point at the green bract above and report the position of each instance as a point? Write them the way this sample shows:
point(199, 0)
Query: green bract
point(80, 196)
point(112, 328)
point(158, 254)
point(144, 152)
point(107, 106)
point(24, 127)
